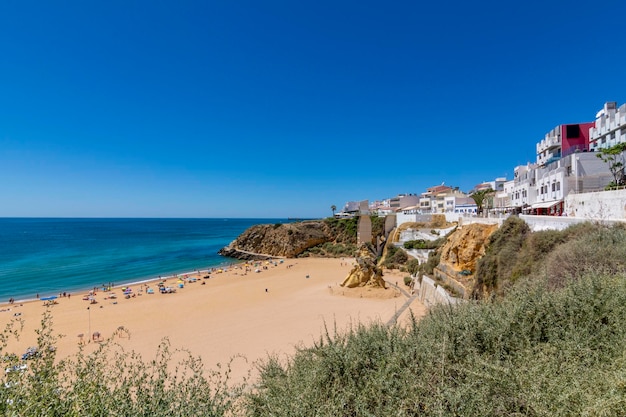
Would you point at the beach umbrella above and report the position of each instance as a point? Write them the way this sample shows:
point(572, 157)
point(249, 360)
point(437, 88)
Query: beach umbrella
point(52, 297)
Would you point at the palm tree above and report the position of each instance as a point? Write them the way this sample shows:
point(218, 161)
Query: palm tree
point(480, 196)
point(333, 208)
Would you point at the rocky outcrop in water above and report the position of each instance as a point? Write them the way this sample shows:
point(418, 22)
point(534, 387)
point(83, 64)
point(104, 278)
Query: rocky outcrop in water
point(278, 240)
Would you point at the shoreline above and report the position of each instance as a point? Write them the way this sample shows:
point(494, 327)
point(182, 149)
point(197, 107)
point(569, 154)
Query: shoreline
point(288, 303)
point(129, 282)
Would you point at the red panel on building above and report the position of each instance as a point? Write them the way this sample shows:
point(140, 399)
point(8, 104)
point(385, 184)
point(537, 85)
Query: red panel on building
point(575, 138)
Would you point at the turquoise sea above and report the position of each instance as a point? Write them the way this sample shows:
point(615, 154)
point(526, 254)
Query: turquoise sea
point(48, 256)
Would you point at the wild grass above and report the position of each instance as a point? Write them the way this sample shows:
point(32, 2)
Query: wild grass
point(536, 353)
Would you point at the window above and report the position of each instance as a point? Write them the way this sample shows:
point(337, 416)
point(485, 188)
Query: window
point(572, 131)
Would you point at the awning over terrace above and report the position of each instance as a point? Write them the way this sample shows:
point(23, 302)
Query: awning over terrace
point(546, 204)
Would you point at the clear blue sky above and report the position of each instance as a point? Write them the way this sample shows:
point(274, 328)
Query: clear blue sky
point(283, 108)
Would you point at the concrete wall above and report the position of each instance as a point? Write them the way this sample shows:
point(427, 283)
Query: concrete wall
point(419, 254)
point(430, 294)
point(463, 221)
point(390, 223)
point(412, 218)
point(537, 223)
point(364, 230)
point(599, 205)
point(448, 276)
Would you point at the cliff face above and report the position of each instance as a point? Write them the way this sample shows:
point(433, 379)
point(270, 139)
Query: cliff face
point(365, 273)
point(465, 246)
point(280, 240)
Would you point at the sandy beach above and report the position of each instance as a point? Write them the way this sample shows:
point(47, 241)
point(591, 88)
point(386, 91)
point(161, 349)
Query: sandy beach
point(253, 314)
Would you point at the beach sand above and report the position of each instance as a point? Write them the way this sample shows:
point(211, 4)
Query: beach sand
point(233, 313)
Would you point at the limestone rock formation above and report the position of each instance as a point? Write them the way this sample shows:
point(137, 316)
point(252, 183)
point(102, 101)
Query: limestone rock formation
point(465, 246)
point(277, 240)
point(365, 273)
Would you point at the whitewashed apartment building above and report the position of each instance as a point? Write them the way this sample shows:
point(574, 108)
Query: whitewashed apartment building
point(567, 163)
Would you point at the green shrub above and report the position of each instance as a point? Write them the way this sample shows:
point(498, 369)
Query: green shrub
point(395, 258)
point(113, 382)
point(535, 352)
point(514, 253)
point(424, 244)
point(429, 266)
point(331, 250)
point(412, 266)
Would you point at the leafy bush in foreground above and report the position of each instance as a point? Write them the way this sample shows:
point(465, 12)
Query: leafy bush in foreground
point(112, 382)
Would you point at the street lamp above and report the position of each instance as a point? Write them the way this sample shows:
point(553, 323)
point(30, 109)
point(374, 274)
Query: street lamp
point(89, 334)
point(576, 167)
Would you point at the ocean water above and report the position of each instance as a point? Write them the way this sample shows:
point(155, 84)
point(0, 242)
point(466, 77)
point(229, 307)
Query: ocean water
point(48, 256)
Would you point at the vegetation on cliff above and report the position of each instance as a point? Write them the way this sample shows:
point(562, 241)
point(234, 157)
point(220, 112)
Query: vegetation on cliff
point(515, 254)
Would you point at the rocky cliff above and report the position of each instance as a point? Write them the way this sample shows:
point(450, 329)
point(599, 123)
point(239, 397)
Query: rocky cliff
point(365, 272)
point(465, 246)
point(282, 240)
point(461, 252)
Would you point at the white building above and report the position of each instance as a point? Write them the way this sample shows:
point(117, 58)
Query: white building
point(403, 200)
point(610, 127)
point(502, 199)
point(523, 191)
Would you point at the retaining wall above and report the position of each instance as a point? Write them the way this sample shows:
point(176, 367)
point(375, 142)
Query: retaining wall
point(430, 293)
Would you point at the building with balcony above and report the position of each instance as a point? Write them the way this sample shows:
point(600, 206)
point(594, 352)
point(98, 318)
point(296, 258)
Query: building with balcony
point(502, 198)
point(609, 128)
point(523, 188)
point(433, 199)
point(461, 205)
point(542, 189)
point(563, 140)
point(403, 200)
